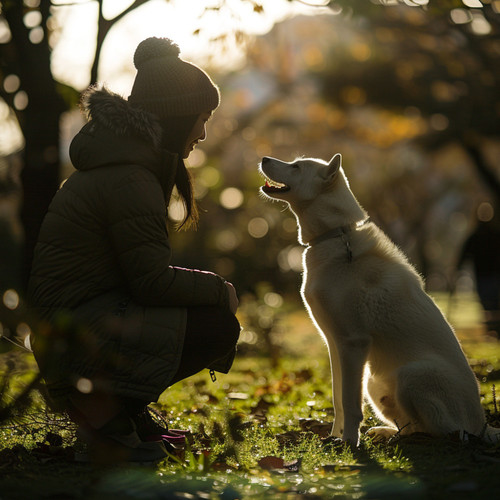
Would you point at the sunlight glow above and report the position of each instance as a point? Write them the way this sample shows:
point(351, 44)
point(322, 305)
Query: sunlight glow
point(207, 37)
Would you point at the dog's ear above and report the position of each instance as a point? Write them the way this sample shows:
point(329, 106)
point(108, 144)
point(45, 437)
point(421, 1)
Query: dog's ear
point(334, 166)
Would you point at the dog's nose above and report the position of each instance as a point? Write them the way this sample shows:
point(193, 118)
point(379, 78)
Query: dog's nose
point(265, 159)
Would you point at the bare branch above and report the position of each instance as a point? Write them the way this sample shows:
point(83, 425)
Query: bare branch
point(103, 27)
point(132, 7)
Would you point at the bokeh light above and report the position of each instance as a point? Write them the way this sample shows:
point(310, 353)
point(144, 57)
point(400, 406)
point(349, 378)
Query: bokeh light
point(11, 83)
point(273, 299)
point(227, 240)
point(485, 212)
point(231, 198)
point(209, 176)
point(258, 227)
point(84, 385)
point(21, 100)
point(290, 258)
point(32, 19)
point(10, 299)
point(176, 210)
point(197, 158)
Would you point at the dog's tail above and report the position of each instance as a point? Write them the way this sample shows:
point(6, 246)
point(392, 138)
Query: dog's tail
point(491, 435)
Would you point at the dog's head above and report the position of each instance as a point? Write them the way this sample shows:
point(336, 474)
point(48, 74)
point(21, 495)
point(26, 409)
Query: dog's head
point(317, 193)
point(300, 180)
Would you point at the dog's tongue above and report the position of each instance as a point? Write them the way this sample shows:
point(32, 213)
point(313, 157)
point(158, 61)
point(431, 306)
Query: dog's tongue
point(268, 185)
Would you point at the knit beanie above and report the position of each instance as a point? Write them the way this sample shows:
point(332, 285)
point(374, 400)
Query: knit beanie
point(166, 85)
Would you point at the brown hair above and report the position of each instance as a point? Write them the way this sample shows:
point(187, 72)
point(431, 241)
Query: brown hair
point(176, 130)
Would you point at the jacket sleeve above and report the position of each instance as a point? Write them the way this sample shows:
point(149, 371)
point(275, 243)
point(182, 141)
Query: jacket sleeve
point(137, 222)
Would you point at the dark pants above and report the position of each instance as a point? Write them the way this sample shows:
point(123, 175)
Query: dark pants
point(209, 342)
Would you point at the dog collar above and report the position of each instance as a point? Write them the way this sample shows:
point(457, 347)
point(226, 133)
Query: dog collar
point(339, 232)
point(332, 233)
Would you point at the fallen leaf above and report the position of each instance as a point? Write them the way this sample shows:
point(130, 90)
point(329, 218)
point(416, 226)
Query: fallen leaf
point(289, 438)
point(270, 463)
point(322, 429)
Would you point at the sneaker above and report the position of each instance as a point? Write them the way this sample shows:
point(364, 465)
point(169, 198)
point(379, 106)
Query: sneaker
point(117, 441)
point(148, 422)
point(151, 426)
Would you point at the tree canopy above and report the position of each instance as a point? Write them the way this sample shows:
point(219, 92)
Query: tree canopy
point(437, 59)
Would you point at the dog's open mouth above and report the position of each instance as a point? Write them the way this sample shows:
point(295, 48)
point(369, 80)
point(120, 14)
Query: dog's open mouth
point(274, 186)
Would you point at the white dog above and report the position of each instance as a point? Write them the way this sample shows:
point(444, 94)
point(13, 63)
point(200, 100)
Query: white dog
point(386, 337)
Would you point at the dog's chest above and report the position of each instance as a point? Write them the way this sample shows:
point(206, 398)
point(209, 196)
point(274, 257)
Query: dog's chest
point(325, 264)
point(333, 255)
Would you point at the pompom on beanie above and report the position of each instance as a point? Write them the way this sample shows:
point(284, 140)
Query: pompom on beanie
point(166, 85)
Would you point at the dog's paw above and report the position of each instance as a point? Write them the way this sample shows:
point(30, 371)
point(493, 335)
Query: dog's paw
point(334, 443)
point(338, 444)
point(380, 434)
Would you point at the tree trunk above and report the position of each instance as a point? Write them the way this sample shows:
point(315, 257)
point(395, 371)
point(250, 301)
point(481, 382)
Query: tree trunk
point(39, 122)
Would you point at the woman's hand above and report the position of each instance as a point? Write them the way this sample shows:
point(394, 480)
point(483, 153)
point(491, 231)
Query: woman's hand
point(233, 298)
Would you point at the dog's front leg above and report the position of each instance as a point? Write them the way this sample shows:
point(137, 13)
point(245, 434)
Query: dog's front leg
point(353, 353)
point(338, 424)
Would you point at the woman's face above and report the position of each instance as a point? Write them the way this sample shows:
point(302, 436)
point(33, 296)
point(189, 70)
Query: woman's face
point(198, 133)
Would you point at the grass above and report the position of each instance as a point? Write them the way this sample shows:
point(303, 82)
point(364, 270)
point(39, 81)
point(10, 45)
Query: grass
point(259, 432)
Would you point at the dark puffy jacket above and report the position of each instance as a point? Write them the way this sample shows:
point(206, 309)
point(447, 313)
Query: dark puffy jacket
point(101, 274)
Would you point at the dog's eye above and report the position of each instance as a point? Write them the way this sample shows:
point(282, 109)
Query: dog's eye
point(295, 165)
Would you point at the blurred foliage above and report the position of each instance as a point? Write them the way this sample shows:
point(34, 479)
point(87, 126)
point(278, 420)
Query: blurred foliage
point(308, 89)
point(441, 66)
point(392, 72)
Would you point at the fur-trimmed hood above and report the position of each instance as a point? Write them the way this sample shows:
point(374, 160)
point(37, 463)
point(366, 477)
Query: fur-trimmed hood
point(113, 112)
point(117, 133)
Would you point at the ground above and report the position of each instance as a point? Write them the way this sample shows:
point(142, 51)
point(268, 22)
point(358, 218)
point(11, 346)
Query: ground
point(261, 431)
